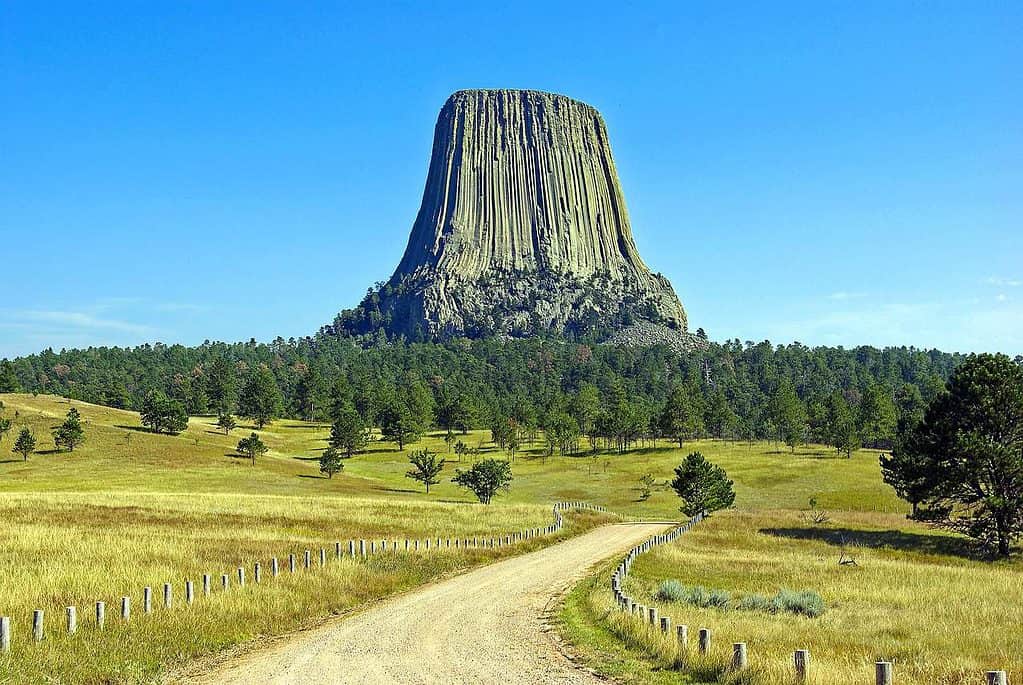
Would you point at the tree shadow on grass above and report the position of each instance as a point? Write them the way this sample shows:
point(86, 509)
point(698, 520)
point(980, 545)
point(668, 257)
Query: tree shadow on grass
point(14, 461)
point(137, 429)
point(926, 543)
point(309, 475)
point(404, 490)
point(53, 451)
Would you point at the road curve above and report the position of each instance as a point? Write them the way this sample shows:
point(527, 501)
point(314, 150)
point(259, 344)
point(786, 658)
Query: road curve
point(484, 626)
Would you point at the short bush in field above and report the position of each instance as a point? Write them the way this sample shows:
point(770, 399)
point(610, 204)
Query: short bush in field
point(756, 603)
point(672, 591)
point(805, 603)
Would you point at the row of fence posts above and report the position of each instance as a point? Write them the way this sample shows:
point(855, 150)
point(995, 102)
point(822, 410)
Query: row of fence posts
point(355, 550)
point(883, 670)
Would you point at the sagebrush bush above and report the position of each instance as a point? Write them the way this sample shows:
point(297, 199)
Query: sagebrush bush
point(805, 603)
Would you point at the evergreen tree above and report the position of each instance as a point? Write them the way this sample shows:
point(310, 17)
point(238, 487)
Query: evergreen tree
point(260, 399)
point(397, 425)
point(962, 466)
point(841, 431)
point(308, 394)
point(485, 479)
point(161, 414)
point(878, 417)
point(8, 378)
point(789, 415)
point(252, 447)
point(69, 434)
point(5, 427)
point(331, 462)
point(226, 423)
point(426, 466)
point(585, 409)
point(721, 420)
point(348, 433)
point(704, 487)
point(221, 385)
point(680, 419)
point(25, 444)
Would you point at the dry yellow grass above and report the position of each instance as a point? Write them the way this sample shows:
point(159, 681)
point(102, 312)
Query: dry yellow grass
point(912, 598)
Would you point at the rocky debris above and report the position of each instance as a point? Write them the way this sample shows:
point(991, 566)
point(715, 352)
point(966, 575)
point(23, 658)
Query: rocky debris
point(646, 334)
point(522, 229)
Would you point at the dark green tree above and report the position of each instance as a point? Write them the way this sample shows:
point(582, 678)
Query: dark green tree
point(69, 434)
point(309, 394)
point(681, 418)
point(161, 414)
point(840, 430)
point(426, 466)
point(348, 433)
point(252, 447)
point(5, 427)
point(789, 415)
point(962, 466)
point(704, 487)
point(25, 444)
point(261, 398)
point(331, 462)
point(8, 378)
point(221, 385)
point(398, 425)
point(226, 423)
point(878, 417)
point(485, 479)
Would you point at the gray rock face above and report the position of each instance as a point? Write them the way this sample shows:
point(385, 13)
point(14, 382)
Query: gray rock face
point(522, 228)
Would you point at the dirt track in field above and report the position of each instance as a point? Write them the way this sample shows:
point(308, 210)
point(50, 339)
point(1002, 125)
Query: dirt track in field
point(484, 626)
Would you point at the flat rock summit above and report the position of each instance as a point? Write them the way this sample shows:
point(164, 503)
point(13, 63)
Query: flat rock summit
point(522, 231)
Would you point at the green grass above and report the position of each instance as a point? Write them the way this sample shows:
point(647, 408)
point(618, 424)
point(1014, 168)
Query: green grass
point(130, 508)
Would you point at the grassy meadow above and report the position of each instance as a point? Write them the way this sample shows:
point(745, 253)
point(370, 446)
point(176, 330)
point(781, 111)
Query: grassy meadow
point(130, 508)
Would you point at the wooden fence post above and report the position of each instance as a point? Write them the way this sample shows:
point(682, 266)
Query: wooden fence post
point(308, 558)
point(241, 577)
point(257, 572)
point(704, 640)
point(291, 563)
point(147, 600)
point(125, 608)
point(323, 557)
point(337, 550)
point(739, 659)
point(101, 614)
point(883, 673)
point(5, 633)
point(801, 659)
point(72, 620)
point(206, 584)
point(351, 548)
point(997, 678)
point(683, 635)
point(653, 616)
point(362, 548)
point(189, 592)
point(225, 580)
point(168, 596)
point(37, 625)
point(665, 624)
point(274, 568)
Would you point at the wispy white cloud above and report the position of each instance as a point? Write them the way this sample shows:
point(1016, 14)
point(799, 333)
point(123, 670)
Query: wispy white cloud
point(82, 319)
point(843, 295)
point(1003, 282)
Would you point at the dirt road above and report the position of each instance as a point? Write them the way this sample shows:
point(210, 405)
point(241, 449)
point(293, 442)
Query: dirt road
point(484, 626)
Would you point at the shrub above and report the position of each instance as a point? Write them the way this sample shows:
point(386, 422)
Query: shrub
point(756, 603)
point(718, 599)
point(805, 603)
point(672, 591)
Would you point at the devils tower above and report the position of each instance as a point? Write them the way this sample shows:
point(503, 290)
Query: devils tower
point(522, 230)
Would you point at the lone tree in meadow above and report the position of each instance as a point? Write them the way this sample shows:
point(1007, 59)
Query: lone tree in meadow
point(25, 444)
point(962, 466)
point(226, 423)
point(161, 414)
point(348, 432)
point(331, 462)
point(252, 447)
point(704, 487)
point(426, 466)
point(261, 398)
point(485, 478)
point(69, 434)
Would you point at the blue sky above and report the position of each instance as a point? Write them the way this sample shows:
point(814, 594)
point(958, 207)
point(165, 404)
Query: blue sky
point(832, 173)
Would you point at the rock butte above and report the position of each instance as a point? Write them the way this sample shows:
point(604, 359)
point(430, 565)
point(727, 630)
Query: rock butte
point(522, 229)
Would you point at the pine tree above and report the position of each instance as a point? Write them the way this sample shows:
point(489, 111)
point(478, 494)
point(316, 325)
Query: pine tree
point(348, 433)
point(25, 444)
point(69, 434)
point(261, 398)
